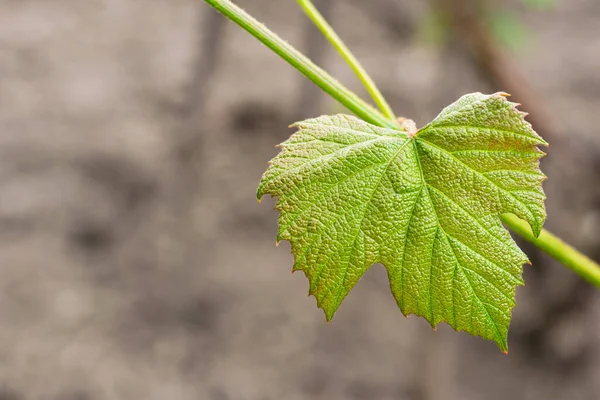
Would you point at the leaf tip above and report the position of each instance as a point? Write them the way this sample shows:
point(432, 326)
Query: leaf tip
point(260, 193)
point(503, 344)
point(537, 230)
point(328, 317)
point(327, 309)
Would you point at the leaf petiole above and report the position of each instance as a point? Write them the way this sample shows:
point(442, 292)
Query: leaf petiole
point(347, 55)
point(299, 61)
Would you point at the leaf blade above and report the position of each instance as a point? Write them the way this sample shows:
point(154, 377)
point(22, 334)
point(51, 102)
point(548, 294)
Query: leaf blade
point(426, 206)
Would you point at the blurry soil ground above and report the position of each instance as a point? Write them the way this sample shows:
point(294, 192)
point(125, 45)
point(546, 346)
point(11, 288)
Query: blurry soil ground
point(134, 268)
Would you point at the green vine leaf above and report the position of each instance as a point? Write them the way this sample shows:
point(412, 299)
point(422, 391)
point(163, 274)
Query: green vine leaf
point(426, 204)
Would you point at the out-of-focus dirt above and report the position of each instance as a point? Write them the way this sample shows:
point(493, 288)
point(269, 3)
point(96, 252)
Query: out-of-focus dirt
point(132, 269)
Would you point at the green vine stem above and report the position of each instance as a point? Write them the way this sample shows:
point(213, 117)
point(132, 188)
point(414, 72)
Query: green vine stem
point(347, 55)
point(547, 242)
point(299, 61)
point(557, 249)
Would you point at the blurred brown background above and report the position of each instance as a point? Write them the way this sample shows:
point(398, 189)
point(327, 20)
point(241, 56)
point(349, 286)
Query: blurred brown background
point(136, 263)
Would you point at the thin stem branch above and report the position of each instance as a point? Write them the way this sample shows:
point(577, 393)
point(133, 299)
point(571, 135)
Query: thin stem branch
point(299, 61)
point(347, 55)
point(557, 249)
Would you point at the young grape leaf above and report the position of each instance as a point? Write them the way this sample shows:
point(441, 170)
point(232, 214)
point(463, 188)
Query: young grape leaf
point(426, 204)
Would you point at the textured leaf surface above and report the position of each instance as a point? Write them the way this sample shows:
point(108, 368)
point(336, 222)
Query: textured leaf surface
point(426, 205)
